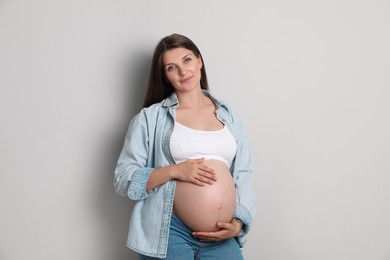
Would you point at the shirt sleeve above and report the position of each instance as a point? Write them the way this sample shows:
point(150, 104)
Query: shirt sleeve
point(243, 178)
point(131, 173)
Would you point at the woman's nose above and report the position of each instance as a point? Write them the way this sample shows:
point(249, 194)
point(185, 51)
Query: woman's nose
point(182, 71)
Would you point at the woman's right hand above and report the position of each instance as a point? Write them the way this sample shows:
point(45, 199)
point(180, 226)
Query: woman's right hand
point(194, 171)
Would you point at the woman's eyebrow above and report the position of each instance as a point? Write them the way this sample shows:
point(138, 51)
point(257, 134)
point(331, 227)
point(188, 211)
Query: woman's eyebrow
point(189, 54)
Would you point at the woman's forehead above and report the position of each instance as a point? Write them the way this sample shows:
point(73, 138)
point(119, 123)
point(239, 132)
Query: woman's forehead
point(175, 55)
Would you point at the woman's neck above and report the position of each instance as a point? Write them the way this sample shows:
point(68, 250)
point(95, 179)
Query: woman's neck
point(192, 99)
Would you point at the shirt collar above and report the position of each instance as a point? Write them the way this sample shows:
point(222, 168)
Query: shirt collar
point(172, 100)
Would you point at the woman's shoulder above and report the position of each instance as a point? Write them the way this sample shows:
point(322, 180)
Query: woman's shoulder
point(226, 108)
point(223, 105)
point(151, 111)
point(152, 108)
point(217, 101)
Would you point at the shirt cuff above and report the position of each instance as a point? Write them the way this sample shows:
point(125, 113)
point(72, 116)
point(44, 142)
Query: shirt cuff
point(137, 187)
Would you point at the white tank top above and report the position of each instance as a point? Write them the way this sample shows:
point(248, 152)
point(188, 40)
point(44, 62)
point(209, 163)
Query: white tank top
point(187, 143)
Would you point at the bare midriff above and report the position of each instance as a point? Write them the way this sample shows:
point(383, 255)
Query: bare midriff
point(202, 207)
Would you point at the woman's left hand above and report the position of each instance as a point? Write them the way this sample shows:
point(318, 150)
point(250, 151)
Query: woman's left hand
point(227, 230)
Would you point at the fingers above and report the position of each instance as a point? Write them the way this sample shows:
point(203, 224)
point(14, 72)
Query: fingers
point(224, 225)
point(226, 231)
point(201, 180)
point(212, 236)
point(201, 170)
point(206, 169)
point(205, 177)
point(200, 166)
point(207, 172)
point(195, 172)
point(207, 236)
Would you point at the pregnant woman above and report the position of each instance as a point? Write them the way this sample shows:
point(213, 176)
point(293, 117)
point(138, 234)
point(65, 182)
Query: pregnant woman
point(187, 164)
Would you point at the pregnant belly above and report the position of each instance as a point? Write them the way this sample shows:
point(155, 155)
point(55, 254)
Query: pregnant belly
point(201, 207)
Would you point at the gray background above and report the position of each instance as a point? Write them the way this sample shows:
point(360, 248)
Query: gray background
point(310, 80)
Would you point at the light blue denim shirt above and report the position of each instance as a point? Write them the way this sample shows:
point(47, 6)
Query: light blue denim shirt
point(146, 147)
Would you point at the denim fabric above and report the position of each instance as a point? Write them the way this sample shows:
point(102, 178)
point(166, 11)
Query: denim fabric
point(183, 246)
point(146, 147)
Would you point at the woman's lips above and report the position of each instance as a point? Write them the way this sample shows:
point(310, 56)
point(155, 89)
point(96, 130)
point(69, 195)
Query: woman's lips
point(186, 80)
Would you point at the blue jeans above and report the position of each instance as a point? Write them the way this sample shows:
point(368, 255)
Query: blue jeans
point(183, 246)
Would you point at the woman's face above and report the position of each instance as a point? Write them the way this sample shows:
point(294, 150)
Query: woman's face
point(182, 69)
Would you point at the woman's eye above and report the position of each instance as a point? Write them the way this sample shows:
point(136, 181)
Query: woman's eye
point(187, 60)
point(170, 68)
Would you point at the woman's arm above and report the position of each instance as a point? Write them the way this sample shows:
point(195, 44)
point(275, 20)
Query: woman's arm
point(132, 176)
point(243, 179)
point(131, 172)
